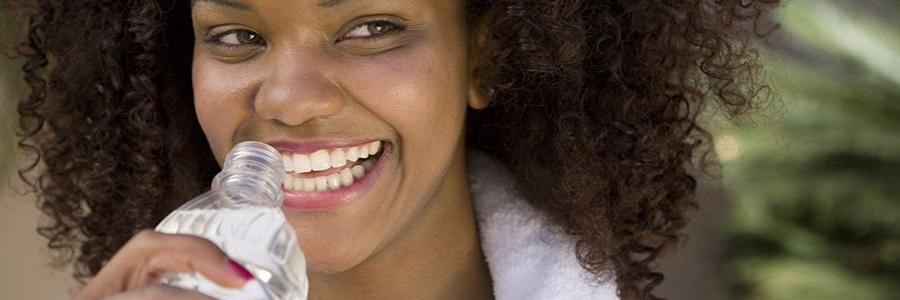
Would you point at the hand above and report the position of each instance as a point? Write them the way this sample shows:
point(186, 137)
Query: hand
point(134, 271)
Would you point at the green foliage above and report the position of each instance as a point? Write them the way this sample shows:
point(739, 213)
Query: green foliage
point(816, 190)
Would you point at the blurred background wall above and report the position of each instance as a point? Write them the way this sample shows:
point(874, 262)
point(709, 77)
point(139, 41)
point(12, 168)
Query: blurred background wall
point(25, 264)
point(808, 207)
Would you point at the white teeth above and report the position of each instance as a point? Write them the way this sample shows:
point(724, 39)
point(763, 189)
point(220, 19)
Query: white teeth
point(358, 171)
point(288, 163)
point(346, 177)
point(363, 151)
point(309, 184)
point(374, 147)
point(321, 184)
point(352, 154)
point(320, 160)
point(288, 183)
point(298, 183)
point(301, 163)
point(334, 181)
point(338, 159)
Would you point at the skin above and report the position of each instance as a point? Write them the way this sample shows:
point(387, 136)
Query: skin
point(304, 71)
point(134, 271)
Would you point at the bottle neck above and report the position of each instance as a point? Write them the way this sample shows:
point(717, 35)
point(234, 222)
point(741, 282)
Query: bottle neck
point(252, 175)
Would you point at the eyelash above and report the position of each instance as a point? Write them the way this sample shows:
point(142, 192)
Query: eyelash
point(215, 40)
point(394, 28)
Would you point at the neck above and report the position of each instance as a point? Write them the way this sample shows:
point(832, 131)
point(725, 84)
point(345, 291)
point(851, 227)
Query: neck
point(439, 258)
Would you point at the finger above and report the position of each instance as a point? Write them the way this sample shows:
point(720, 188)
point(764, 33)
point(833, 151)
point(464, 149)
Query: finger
point(225, 272)
point(159, 291)
point(149, 254)
point(186, 253)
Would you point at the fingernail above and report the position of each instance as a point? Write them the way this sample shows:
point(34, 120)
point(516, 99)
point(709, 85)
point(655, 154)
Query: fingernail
point(240, 270)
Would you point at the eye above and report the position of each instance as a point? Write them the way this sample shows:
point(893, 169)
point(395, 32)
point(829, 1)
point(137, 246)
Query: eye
point(372, 29)
point(237, 38)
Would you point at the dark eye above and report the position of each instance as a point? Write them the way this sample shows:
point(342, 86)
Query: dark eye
point(236, 38)
point(372, 29)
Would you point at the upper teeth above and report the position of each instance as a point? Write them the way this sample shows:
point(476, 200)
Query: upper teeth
point(324, 159)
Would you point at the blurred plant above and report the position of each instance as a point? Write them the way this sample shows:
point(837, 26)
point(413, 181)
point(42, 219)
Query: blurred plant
point(816, 212)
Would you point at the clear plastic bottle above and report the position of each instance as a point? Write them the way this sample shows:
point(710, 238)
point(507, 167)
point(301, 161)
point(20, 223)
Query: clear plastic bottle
point(242, 215)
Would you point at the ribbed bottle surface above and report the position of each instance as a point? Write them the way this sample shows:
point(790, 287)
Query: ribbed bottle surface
point(242, 215)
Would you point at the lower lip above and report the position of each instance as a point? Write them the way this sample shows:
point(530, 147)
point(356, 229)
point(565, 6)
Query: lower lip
point(325, 200)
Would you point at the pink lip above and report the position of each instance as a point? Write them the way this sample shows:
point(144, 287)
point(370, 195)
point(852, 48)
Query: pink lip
point(311, 145)
point(317, 201)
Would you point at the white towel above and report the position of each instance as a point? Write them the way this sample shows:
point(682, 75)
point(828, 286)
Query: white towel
point(528, 257)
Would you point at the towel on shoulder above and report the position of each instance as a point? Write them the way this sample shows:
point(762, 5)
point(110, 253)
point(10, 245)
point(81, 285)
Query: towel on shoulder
point(528, 257)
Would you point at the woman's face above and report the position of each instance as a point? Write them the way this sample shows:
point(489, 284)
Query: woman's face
point(331, 78)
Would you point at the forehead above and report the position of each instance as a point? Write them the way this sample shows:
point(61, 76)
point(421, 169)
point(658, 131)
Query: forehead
point(245, 5)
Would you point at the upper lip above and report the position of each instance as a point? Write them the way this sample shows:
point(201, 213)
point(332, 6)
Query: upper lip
point(312, 145)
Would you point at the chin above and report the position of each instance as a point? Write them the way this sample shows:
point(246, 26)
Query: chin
point(329, 261)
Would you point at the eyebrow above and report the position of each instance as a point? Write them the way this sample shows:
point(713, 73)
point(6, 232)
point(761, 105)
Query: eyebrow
point(230, 3)
point(330, 3)
point(243, 6)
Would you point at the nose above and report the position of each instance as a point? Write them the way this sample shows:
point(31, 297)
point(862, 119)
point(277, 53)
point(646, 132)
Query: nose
point(297, 89)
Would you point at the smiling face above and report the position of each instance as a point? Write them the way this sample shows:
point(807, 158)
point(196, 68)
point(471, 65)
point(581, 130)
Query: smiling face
point(318, 77)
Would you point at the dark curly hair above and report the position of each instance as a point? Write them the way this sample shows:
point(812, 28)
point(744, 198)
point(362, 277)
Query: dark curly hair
point(594, 106)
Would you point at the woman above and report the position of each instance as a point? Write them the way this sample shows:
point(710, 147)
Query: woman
point(579, 119)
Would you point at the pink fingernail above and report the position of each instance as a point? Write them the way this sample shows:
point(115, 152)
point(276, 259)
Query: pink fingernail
point(240, 270)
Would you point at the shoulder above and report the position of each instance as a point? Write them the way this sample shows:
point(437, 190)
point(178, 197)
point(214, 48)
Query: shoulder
point(528, 256)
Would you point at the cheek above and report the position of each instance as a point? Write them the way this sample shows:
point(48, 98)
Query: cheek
point(433, 102)
point(419, 92)
point(220, 102)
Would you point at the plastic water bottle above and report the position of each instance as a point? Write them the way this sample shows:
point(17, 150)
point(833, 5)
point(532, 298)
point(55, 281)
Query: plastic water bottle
point(242, 215)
